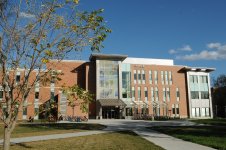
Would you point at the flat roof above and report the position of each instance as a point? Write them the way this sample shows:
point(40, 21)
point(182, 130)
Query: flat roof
point(198, 69)
point(148, 61)
point(93, 57)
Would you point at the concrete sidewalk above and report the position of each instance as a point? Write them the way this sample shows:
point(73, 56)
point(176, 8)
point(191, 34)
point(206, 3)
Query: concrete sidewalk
point(53, 136)
point(169, 142)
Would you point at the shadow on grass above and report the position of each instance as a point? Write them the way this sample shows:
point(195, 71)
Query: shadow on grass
point(64, 126)
point(213, 136)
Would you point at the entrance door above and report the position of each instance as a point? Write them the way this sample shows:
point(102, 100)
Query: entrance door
point(110, 112)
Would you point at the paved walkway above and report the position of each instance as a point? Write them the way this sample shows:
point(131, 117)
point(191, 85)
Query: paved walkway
point(138, 126)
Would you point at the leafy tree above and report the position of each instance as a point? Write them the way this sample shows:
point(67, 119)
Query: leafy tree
point(220, 81)
point(219, 96)
point(77, 96)
point(33, 32)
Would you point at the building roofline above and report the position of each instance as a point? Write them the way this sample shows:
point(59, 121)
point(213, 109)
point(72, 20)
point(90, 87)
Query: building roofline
point(95, 56)
point(65, 60)
point(198, 69)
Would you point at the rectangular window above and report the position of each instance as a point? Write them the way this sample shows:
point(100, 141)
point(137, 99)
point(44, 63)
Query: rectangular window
point(170, 78)
point(146, 93)
point(173, 109)
point(178, 94)
point(203, 79)
point(164, 94)
point(156, 94)
point(139, 77)
point(156, 77)
point(168, 93)
point(25, 111)
point(207, 112)
point(204, 95)
point(143, 77)
point(135, 76)
point(203, 114)
point(177, 109)
point(193, 79)
point(162, 77)
point(152, 94)
point(129, 112)
point(166, 77)
point(194, 95)
point(193, 112)
point(36, 95)
point(197, 111)
point(17, 78)
point(133, 93)
point(1, 95)
point(150, 77)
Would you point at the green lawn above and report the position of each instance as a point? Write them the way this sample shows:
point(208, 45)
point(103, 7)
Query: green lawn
point(217, 122)
point(124, 140)
point(213, 134)
point(23, 130)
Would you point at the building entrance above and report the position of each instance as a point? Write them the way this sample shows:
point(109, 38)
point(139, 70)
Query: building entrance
point(110, 112)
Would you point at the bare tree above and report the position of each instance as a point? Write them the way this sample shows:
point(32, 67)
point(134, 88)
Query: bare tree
point(31, 33)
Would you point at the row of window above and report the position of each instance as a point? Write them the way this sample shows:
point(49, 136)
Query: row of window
point(139, 77)
point(198, 95)
point(154, 94)
point(202, 79)
point(197, 112)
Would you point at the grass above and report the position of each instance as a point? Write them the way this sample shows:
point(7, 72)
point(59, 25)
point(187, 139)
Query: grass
point(212, 135)
point(216, 122)
point(114, 141)
point(25, 130)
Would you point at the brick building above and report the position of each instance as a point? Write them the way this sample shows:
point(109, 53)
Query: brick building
point(128, 88)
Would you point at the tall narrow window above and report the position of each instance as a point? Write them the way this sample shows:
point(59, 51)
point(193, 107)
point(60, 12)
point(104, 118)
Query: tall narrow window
point(166, 78)
point(152, 94)
point(168, 93)
point(135, 76)
point(162, 77)
point(170, 78)
point(139, 93)
point(156, 77)
point(156, 94)
point(164, 94)
point(173, 109)
point(146, 93)
point(17, 78)
point(143, 77)
point(177, 110)
point(178, 94)
point(133, 93)
point(36, 95)
point(150, 77)
point(1, 95)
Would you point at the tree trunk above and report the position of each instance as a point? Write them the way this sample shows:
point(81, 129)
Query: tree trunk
point(6, 142)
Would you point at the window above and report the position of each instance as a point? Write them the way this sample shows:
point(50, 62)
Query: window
point(162, 77)
point(203, 79)
point(168, 93)
point(173, 110)
point(166, 77)
point(36, 95)
point(139, 77)
point(133, 93)
point(178, 94)
point(177, 109)
point(156, 77)
point(152, 94)
point(1, 95)
point(17, 78)
point(129, 112)
point(193, 79)
point(146, 93)
point(156, 94)
point(164, 94)
point(135, 76)
point(194, 95)
point(143, 77)
point(150, 77)
point(170, 78)
point(25, 111)
point(204, 95)
point(196, 112)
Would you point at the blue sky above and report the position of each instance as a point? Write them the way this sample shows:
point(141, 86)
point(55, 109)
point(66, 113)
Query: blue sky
point(191, 32)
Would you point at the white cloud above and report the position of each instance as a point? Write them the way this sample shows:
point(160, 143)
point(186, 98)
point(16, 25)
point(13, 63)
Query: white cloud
point(217, 51)
point(185, 48)
point(26, 15)
point(172, 51)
